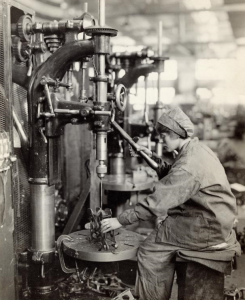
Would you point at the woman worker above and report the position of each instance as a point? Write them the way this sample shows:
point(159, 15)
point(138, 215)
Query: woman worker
point(192, 198)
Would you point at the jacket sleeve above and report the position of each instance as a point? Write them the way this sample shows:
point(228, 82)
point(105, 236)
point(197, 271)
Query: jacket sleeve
point(171, 191)
point(163, 168)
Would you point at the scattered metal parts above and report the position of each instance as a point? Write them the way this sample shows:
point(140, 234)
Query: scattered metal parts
point(124, 295)
point(234, 294)
point(104, 285)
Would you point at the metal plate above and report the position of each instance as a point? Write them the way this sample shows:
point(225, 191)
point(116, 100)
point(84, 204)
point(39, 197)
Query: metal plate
point(126, 183)
point(80, 248)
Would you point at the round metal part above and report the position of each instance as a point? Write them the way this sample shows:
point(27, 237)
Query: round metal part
point(116, 164)
point(126, 183)
point(93, 30)
point(43, 290)
point(121, 97)
point(88, 20)
point(20, 50)
point(24, 26)
point(43, 217)
point(81, 248)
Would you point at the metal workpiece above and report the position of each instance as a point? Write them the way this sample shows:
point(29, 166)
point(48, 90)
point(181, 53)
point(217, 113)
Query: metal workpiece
point(80, 247)
point(43, 218)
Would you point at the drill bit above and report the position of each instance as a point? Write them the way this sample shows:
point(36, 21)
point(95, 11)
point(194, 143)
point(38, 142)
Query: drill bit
point(101, 193)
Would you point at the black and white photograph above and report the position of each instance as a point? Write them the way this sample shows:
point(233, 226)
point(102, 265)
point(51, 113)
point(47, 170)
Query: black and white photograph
point(122, 149)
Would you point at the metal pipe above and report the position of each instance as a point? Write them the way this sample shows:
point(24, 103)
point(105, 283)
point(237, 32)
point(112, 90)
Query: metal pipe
point(145, 118)
point(101, 13)
point(43, 218)
point(160, 38)
point(158, 109)
point(85, 7)
point(101, 85)
point(159, 54)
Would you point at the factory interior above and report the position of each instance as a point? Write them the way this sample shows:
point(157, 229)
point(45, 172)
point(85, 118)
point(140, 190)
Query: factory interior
point(82, 87)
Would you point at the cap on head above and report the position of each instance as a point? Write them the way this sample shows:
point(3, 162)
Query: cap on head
point(177, 121)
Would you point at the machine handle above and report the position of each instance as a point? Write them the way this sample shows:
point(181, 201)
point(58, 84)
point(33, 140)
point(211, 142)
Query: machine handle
point(135, 146)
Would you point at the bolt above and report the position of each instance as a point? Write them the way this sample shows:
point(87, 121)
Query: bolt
point(74, 120)
point(84, 112)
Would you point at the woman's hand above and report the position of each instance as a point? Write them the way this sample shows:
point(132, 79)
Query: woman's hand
point(110, 224)
point(145, 149)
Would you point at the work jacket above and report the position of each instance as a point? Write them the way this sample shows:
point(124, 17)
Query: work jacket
point(194, 199)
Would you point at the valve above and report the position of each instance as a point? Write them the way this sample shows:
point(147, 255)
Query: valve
point(121, 97)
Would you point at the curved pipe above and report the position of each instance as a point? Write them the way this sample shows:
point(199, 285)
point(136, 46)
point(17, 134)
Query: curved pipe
point(56, 66)
point(130, 78)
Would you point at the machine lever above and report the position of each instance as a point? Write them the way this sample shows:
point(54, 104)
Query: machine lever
point(135, 146)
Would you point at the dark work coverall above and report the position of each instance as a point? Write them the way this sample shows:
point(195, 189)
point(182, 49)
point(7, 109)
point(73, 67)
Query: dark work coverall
point(197, 208)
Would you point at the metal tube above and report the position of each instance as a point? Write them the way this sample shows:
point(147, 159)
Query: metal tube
point(159, 54)
point(101, 85)
point(160, 38)
point(102, 13)
point(85, 7)
point(101, 153)
point(146, 107)
point(101, 145)
point(43, 217)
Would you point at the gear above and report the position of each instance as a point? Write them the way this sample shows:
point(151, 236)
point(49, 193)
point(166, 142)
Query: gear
point(24, 26)
point(20, 50)
point(93, 30)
